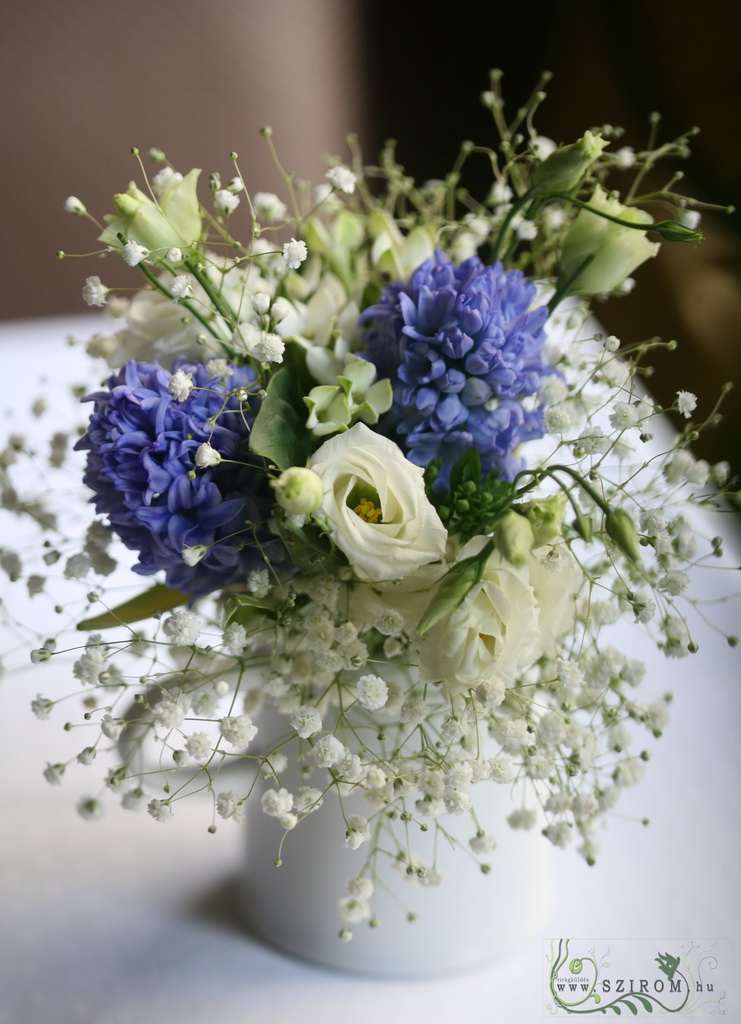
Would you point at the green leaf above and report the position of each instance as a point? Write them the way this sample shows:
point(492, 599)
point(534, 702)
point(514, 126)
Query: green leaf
point(241, 608)
point(157, 599)
point(631, 1007)
point(247, 601)
point(279, 432)
point(647, 1005)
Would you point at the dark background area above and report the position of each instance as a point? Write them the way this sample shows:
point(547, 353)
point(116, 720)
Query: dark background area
point(612, 63)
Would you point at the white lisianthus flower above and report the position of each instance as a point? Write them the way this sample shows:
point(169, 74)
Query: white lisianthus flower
point(154, 330)
point(375, 505)
point(493, 633)
point(509, 619)
point(616, 250)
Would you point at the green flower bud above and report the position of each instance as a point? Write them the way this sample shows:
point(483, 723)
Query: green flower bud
point(546, 516)
point(613, 250)
point(583, 526)
point(565, 168)
point(299, 491)
point(621, 531)
point(514, 537)
point(673, 231)
point(452, 589)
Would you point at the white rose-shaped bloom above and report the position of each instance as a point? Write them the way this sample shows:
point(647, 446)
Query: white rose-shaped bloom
point(512, 616)
point(154, 330)
point(360, 465)
point(555, 591)
point(616, 250)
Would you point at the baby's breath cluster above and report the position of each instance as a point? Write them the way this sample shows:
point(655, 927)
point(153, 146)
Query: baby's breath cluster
point(394, 490)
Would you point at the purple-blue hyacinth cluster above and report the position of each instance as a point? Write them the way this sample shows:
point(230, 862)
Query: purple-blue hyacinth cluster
point(462, 346)
point(141, 465)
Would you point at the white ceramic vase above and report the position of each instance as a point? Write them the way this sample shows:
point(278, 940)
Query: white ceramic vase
point(470, 919)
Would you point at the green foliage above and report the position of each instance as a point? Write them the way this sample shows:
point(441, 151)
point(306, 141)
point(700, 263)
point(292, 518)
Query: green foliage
point(472, 505)
point(279, 432)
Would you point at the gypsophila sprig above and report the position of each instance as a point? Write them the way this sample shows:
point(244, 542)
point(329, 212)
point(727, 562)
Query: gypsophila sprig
point(394, 489)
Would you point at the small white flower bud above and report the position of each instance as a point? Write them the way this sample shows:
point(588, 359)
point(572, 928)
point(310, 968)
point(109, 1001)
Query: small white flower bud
point(280, 310)
point(261, 303)
point(193, 555)
point(73, 205)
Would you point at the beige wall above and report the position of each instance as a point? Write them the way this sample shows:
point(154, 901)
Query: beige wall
point(81, 81)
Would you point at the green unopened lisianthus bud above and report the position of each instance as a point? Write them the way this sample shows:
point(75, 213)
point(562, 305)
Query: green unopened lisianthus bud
point(546, 516)
point(673, 231)
point(613, 251)
point(514, 537)
point(298, 491)
point(172, 222)
point(452, 589)
point(621, 530)
point(565, 168)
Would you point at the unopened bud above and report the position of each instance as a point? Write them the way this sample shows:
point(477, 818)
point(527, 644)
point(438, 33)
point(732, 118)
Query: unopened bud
point(621, 531)
point(566, 167)
point(514, 537)
point(454, 586)
point(673, 231)
point(298, 491)
point(73, 205)
point(546, 517)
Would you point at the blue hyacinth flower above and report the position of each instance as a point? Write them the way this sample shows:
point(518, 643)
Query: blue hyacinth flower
point(462, 346)
point(141, 467)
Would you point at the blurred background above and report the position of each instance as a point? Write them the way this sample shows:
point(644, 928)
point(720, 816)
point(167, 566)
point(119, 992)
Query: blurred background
point(85, 80)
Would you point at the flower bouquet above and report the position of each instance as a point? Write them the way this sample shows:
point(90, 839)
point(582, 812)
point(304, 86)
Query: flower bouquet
point(390, 480)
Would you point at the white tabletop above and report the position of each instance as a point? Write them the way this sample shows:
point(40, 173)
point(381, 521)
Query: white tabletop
point(124, 920)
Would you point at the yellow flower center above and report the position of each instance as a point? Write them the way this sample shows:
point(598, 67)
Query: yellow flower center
point(367, 511)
